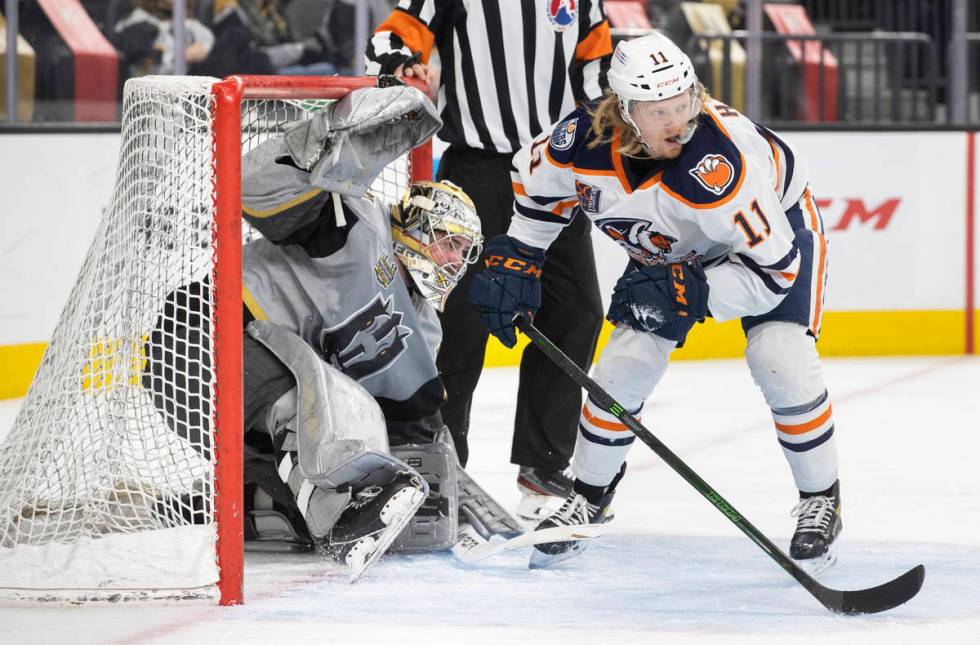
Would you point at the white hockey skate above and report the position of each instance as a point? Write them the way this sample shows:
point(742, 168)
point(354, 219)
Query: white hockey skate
point(576, 514)
point(373, 521)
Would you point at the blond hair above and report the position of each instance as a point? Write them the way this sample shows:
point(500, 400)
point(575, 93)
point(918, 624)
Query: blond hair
point(607, 119)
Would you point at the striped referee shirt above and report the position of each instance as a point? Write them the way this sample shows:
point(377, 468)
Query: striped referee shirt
point(510, 68)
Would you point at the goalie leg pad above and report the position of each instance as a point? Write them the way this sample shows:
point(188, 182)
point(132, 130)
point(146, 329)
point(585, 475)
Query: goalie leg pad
point(340, 432)
point(276, 493)
point(434, 526)
point(481, 511)
point(455, 500)
point(270, 531)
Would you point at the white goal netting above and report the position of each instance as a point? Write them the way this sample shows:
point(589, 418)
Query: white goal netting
point(107, 475)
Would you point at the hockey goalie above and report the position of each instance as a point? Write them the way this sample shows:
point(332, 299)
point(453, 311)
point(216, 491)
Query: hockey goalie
point(345, 449)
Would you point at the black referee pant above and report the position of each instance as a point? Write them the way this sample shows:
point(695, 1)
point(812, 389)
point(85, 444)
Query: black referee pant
point(548, 401)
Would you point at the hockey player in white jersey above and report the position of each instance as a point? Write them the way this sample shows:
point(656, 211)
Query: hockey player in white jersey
point(717, 217)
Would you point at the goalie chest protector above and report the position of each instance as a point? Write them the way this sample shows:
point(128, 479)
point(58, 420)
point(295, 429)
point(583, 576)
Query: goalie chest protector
point(354, 309)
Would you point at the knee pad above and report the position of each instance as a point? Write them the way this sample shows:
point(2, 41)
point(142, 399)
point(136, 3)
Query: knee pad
point(632, 364)
point(784, 363)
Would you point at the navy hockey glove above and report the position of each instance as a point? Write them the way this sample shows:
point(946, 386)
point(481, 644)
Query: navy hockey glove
point(665, 299)
point(509, 285)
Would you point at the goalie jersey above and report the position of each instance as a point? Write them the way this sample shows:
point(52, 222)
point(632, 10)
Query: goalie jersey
point(723, 200)
point(331, 278)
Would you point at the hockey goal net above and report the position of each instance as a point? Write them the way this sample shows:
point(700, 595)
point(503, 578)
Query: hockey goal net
point(100, 497)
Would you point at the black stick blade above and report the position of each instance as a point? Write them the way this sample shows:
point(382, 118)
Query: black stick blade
point(871, 601)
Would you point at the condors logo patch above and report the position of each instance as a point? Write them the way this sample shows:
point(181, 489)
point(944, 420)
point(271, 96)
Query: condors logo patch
point(714, 172)
point(638, 238)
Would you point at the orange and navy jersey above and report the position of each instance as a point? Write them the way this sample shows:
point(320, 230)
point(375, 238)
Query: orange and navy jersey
point(723, 200)
point(510, 68)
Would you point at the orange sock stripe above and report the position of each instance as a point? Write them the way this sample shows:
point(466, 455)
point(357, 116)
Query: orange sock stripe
point(612, 426)
point(805, 427)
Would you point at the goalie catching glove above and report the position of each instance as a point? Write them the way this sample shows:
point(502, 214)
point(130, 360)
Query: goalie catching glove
point(509, 285)
point(664, 299)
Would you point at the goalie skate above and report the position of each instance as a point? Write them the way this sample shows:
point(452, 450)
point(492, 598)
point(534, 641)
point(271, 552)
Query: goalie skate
point(373, 521)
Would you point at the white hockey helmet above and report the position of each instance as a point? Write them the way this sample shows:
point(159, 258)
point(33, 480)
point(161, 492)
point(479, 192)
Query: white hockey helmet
point(436, 235)
point(653, 68)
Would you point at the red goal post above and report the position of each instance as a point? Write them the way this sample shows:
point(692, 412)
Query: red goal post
point(100, 497)
point(229, 95)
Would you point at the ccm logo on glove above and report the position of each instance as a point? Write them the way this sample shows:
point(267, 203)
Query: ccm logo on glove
point(677, 271)
point(666, 300)
point(510, 285)
point(513, 264)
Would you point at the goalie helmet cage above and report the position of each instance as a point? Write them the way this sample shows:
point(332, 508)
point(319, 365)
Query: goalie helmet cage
point(122, 475)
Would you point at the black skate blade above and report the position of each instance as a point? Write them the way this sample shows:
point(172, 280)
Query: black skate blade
point(875, 599)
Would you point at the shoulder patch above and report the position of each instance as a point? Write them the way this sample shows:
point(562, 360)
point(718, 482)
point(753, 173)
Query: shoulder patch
point(384, 270)
point(589, 197)
point(563, 136)
point(569, 136)
point(714, 172)
point(710, 169)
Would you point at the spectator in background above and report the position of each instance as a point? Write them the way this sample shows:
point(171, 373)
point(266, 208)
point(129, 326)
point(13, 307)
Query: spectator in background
point(332, 22)
point(269, 32)
point(666, 16)
point(145, 38)
point(237, 37)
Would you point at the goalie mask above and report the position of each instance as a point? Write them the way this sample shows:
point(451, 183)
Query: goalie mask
point(652, 74)
point(436, 235)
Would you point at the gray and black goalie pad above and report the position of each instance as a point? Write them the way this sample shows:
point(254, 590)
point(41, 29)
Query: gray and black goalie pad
point(481, 511)
point(454, 499)
point(434, 527)
point(339, 431)
point(271, 522)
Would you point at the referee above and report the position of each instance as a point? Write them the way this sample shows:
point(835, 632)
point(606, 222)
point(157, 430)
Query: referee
point(510, 68)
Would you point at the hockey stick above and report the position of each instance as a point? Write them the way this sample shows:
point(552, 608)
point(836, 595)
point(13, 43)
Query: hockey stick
point(862, 601)
point(471, 547)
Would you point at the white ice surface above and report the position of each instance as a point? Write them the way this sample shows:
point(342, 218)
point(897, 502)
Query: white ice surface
point(671, 568)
